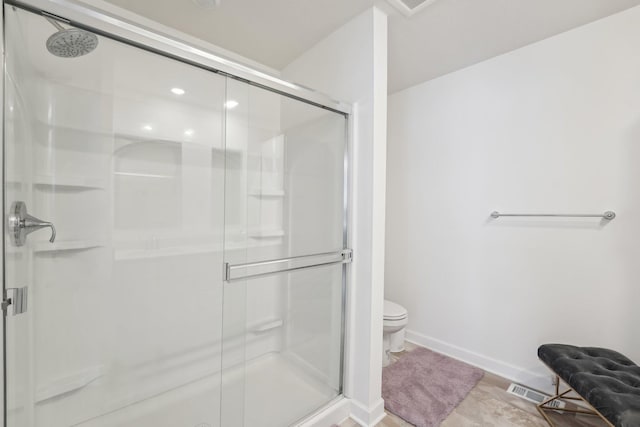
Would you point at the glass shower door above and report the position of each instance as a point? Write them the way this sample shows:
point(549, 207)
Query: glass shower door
point(284, 257)
point(117, 321)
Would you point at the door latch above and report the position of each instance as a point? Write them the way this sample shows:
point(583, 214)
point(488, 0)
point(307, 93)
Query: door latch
point(18, 300)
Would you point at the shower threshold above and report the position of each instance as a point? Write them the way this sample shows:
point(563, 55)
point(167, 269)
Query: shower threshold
point(269, 391)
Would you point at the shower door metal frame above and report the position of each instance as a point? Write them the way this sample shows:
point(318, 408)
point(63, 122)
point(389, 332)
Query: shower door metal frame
point(85, 15)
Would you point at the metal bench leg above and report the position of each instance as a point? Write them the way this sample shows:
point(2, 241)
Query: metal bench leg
point(543, 407)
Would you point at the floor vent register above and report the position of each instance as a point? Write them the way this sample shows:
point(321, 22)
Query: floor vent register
point(533, 396)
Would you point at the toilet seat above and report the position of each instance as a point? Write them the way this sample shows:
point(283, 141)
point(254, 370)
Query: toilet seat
point(393, 311)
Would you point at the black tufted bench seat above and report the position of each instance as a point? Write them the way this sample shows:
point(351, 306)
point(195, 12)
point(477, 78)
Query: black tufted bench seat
point(608, 381)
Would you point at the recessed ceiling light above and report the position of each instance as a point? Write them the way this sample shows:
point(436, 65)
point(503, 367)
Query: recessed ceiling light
point(231, 104)
point(177, 91)
point(147, 127)
point(188, 132)
point(207, 3)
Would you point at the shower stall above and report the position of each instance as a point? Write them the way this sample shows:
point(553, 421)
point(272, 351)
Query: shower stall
point(175, 235)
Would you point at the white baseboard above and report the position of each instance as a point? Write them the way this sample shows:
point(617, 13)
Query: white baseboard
point(536, 380)
point(367, 417)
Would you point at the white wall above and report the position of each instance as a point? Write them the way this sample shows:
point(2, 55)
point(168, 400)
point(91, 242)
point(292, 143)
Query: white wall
point(553, 127)
point(350, 65)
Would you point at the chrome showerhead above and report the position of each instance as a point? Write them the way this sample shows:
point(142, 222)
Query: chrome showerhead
point(70, 42)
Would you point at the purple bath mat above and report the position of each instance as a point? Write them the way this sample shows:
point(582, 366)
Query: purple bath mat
point(423, 387)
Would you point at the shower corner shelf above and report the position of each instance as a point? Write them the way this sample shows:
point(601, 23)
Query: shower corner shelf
point(70, 383)
point(69, 245)
point(265, 234)
point(266, 326)
point(69, 181)
point(14, 179)
point(266, 193)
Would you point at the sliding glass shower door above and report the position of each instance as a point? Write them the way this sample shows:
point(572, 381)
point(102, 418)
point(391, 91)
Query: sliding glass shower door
point(175, 240)
point(284, 257)
point(121, 150)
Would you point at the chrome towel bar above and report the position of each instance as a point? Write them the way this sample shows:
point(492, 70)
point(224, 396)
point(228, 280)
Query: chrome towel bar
point(608, 215)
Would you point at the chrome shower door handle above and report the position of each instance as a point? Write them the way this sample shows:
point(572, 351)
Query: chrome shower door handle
point(20, 224)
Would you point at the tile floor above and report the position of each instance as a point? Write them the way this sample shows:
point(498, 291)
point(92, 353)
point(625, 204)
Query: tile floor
point(489, 405)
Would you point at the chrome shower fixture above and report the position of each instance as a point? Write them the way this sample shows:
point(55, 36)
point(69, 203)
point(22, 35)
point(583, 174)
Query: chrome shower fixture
point(70, 42)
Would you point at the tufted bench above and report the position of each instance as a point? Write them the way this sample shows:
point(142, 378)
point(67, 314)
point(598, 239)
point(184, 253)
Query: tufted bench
point(606, 380)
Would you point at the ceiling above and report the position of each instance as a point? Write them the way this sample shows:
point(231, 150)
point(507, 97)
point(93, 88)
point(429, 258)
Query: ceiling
point(453, 34)
point(446, 36)
point(272, 32)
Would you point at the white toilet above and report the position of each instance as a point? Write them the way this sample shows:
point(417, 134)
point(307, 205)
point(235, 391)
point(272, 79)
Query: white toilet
point(395, 320)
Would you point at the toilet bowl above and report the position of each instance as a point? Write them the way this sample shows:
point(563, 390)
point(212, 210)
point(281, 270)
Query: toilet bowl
point(393, 324)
